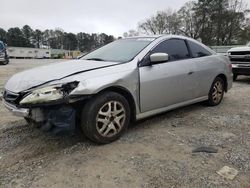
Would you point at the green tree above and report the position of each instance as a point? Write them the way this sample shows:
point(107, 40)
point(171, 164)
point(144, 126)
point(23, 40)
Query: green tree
point(37, 36)
point(15, 37)
point(70, 41)
point(59, 38)
point(214, 22)
point(27, 34)
point(84, 42)
point(3, 35)
point(221, 20)
point(56, 39)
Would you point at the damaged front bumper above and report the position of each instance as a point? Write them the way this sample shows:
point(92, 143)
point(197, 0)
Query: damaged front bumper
point(20, 112)
point(52, 107)
point(59, 116)
point(57, 119)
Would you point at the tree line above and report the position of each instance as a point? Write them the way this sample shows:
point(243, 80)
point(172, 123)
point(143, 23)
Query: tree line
point(56, 39)
point(213, 22)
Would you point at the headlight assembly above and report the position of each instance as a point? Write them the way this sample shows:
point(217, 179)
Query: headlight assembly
point(48, 94)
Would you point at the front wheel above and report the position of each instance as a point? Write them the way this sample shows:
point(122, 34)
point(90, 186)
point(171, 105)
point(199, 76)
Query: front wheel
point(216, 92)
point(105, 117)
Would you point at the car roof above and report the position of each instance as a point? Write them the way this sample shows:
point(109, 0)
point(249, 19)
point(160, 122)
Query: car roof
point(164, 36)
point(168, 36)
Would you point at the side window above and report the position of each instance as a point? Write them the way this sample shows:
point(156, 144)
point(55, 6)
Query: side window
point(175, 48)
point(197, 50)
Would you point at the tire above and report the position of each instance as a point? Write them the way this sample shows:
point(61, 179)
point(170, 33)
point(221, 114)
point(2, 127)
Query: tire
point(216, 92)
point(235, 77)
point(100, 122)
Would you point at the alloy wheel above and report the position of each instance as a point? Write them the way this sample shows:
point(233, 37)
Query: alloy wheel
point(110, 119)
point(218, 90)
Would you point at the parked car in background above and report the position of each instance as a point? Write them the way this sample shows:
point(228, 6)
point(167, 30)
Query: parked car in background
point(240, 58)
point(126, 80)
point(4, 59)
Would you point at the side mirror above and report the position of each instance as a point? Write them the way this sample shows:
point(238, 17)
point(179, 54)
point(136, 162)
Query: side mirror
point(159, 58)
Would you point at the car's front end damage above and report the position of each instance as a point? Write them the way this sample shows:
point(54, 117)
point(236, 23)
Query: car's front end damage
point(51, 106)
point(55, 100)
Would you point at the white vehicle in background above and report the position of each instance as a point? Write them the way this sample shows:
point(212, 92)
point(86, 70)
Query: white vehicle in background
point(31, 53)
point(240, 58)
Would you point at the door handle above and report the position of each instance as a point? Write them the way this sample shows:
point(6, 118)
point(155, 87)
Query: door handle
point(191, 72)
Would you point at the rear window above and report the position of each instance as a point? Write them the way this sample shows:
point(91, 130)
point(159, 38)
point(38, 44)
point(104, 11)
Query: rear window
point(197, 50)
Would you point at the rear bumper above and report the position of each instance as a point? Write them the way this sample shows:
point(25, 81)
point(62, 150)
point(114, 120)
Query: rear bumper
point(21, 112)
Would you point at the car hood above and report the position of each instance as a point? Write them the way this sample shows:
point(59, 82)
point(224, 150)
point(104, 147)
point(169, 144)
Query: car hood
point(41, 75)
point(239, 49)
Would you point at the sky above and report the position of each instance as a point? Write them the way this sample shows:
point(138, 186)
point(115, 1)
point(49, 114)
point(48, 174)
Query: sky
point(112, 17)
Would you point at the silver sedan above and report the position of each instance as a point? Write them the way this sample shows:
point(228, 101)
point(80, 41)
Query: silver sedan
point(126, 80)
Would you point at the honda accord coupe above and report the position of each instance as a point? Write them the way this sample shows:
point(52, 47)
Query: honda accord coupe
point(126, 80)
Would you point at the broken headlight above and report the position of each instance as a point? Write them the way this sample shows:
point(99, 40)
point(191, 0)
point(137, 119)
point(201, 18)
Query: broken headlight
point(48, 94)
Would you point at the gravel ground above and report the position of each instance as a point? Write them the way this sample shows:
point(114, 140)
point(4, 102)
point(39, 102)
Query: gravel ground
point(156, 152)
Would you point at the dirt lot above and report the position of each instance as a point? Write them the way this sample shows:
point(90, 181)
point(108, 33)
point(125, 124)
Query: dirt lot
point(156, 152)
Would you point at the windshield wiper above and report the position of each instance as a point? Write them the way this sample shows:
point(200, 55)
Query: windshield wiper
point(95, 59)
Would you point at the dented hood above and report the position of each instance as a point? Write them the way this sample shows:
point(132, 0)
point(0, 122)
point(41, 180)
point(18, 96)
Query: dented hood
point(41, 75)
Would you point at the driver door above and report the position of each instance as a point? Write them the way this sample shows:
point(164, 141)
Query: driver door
point(168, 83)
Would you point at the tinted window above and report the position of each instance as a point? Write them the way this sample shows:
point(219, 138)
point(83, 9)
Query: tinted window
point(197, 50)
point(175, 48)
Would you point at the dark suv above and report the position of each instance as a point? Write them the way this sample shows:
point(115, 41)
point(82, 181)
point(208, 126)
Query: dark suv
point(4, 59)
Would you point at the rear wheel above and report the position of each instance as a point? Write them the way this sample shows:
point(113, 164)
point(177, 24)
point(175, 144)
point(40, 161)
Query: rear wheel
point(216, 93)
point(105, 117)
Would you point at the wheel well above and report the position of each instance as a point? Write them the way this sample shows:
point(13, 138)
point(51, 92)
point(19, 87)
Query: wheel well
point(224, 78)
point(125, 93)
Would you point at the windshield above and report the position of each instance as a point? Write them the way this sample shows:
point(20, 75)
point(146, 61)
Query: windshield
point(122, 50)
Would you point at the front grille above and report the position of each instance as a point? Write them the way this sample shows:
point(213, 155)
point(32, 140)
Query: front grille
point(10, 97)
point(241, 53)
point(240, 59)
